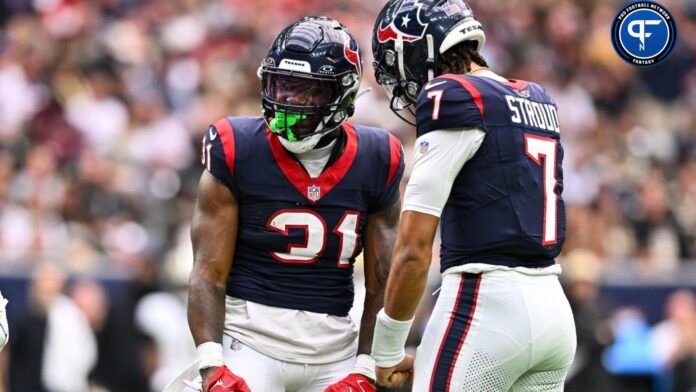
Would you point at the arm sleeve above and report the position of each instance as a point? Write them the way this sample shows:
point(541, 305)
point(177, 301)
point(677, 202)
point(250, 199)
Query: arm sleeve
point(440, 155)
point(218, 155)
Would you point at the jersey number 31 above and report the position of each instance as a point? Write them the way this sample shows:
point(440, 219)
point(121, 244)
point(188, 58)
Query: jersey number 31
point(315, 236)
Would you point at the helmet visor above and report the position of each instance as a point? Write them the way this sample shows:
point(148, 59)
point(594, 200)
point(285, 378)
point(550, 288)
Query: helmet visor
point(299, 91)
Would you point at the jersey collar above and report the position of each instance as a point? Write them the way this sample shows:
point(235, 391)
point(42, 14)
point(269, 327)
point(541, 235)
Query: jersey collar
point(313, 189)
point(515, 84)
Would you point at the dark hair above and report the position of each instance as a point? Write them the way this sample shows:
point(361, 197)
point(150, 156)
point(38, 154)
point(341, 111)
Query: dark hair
point(457, 60)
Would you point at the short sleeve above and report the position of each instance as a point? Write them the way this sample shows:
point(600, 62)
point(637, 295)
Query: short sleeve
point(219, 153)
point(445, 153)
point(391, 194)
point(448, 102)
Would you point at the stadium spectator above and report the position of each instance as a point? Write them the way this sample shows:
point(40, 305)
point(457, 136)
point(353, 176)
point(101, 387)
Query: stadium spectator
point(582, 268)
point(53, 347)
point(674, 339)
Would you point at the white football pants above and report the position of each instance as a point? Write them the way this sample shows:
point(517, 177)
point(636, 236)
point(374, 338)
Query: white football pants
point(265, 374)
point(501, 330)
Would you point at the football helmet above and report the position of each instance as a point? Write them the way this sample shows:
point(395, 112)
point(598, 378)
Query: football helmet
point(310, 81)
point(408, 38)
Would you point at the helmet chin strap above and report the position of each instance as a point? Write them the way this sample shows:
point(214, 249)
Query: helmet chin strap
point(431, 57)
point(399, 48)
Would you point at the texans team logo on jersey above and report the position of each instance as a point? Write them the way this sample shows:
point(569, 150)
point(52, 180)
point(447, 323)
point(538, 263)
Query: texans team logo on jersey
point(313, 193)
point(406, 24)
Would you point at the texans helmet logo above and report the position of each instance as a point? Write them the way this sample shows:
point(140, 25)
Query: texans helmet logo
point(405, 24)
point(353, 56)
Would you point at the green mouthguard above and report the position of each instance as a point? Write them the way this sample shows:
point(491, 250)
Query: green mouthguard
point(284, 122)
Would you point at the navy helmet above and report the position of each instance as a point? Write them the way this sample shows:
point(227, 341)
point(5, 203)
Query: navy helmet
point(408, 39)
point(310, 80)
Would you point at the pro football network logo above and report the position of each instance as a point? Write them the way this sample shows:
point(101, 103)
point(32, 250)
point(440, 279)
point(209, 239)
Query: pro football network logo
point(644, 33)
point(313, 193)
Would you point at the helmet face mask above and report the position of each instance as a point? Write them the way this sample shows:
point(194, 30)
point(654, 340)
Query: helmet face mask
point(300, 103)
point(397, 91)
point(310, 80)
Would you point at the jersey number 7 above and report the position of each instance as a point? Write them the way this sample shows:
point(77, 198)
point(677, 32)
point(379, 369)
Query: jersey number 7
point(542, 150)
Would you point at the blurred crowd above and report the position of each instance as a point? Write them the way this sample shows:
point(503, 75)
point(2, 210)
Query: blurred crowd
point(103, 104)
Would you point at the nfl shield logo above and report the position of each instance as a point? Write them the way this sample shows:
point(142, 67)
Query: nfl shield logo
point(424, 146)
point(313, 193)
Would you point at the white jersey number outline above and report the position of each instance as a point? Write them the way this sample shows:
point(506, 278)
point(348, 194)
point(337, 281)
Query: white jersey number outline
point(538, 149)
point(315, 236)
point(437, 95)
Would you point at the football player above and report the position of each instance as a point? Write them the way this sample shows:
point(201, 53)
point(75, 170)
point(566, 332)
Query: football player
point(286, 203)
point(487, 170)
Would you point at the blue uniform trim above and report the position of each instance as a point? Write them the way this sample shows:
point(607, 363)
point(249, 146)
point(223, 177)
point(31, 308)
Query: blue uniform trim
point(457, 330)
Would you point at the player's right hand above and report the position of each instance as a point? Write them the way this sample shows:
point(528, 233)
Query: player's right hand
point(222, 380)
point(395, 377)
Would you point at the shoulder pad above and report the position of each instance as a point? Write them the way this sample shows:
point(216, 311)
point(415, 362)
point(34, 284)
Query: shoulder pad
point(449, 101)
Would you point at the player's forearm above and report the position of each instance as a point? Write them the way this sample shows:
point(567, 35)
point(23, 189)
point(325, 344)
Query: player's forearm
point(380, 236)
point(373, 303)
point(407, 281)
point(376, 282)
point(405, 287)
point(206, 310)
point(213, 235)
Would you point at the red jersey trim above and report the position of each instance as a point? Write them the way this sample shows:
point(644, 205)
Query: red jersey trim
point(328, 179)
point(470, 87)
point(224, 129)
point(395, 152)
point(516, 84)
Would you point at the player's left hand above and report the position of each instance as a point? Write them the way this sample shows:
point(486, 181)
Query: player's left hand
point(353, 383)
point(396, 376)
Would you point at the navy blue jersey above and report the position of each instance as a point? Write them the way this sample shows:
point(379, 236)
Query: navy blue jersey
point(505, 207)
point(298, 237)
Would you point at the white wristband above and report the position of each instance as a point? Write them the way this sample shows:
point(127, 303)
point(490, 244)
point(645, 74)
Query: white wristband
point(389, 340)
point(209, 355)
point(365, 365)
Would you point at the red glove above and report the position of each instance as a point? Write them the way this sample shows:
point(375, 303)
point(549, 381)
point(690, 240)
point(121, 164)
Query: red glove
point(353, 383)
point(223, 380)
